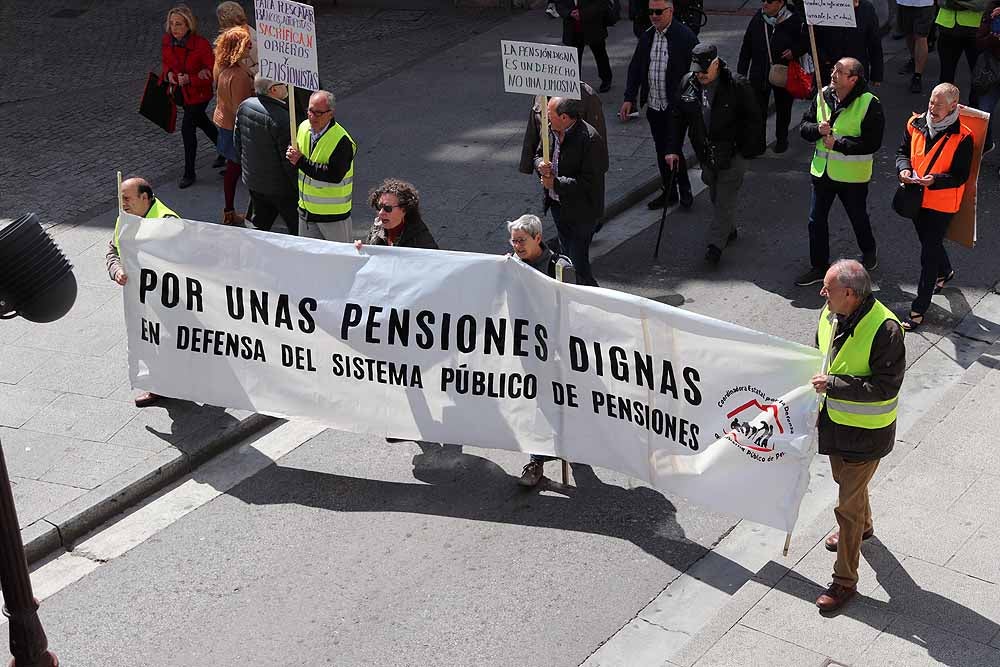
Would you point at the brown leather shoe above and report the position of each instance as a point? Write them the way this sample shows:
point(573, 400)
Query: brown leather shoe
point(146, 398)
point(835, 597)
point(834, 539)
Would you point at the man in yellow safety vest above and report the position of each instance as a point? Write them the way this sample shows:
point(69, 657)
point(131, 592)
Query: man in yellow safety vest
point(857, 421)
point(323, 154)
point(846, 123)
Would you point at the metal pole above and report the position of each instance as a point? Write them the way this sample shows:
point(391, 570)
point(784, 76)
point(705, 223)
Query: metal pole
point(28, 643)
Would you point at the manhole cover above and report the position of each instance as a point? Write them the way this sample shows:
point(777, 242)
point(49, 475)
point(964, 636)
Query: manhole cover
point(406, 15)
point(68, 13)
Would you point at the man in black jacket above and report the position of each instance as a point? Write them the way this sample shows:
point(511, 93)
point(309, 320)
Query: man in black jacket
point(660, 60)
point(718, 109)
point(261, 137)
point(863, 43)
point(573, 181)
point(583, 25)
point(846, 123)
point(857, 420)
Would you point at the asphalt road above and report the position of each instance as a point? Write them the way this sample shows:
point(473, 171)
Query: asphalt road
point(354, 552)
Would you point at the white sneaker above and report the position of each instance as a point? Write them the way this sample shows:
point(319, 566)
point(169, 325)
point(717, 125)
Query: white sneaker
point(551, 10)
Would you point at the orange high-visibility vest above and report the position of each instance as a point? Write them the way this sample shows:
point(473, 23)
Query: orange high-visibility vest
point(947, 200)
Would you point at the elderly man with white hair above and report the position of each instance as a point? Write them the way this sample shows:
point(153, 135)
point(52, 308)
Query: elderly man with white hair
point(936, 157)
point(261, 137)
point(530, 248)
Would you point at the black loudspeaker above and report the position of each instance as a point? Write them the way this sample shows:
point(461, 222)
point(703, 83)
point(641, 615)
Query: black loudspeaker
point(36, 279)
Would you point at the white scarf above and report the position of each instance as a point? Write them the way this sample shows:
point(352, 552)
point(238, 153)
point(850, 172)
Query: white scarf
point(933, 128)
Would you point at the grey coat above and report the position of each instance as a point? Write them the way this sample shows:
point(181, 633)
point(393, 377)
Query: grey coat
point(261, 137)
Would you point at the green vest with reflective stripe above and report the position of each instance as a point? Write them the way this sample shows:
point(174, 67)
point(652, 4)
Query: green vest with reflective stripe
point(157, 210)
point(840, 167)
point(852, 359)
point(947, 18)
point(320, 197)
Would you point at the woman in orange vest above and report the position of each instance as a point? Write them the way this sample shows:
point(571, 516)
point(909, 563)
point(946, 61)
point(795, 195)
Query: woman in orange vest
point(936, 153)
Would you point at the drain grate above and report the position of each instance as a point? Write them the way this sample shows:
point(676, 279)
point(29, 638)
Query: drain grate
point(68, 13)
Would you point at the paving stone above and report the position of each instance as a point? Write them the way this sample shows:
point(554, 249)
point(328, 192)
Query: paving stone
point(916, 479)
point(751, 648)
point(976, 417)
point(79, 374)
point(910, 643)
point(83, 417)
point(19, 404)
point(16, 362)
point(172, 422)
point(981, 499)
point(34, 499)
point(875, 562)
point(789, 612)
point(941, 597)
point(638, 643)
point(905, 529)
point(978, 557)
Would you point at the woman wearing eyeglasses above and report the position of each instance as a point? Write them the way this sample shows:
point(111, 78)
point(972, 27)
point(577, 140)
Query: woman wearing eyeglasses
point(398, 221)
point(773, 36)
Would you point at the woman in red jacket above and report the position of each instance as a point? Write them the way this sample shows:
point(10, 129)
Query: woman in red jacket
point(187, 64)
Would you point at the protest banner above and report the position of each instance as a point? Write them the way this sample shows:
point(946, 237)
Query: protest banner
point(467, 348)
point(543, 70)
point(836, 13)
point(286, 47)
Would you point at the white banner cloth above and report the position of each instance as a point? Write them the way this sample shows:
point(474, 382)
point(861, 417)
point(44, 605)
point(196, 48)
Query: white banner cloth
point(468, 348)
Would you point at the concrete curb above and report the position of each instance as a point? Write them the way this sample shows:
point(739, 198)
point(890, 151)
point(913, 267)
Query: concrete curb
point(60, 529)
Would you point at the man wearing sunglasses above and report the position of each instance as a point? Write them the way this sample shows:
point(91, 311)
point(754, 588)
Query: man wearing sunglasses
point(660, 61)
point(324, 156)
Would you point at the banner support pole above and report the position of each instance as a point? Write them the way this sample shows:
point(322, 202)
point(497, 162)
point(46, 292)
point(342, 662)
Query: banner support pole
point(788, 541)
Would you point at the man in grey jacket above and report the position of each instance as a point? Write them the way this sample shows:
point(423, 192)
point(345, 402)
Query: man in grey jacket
point(261, 138)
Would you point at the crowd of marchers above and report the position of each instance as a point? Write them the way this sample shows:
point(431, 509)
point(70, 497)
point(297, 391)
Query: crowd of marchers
point(688, 92)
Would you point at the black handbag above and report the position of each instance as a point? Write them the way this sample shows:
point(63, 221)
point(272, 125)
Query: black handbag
point(158, 104)
point(909, 196)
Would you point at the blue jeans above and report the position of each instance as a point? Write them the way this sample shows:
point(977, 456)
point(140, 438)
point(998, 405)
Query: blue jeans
point(854, 197)
point(574, 242)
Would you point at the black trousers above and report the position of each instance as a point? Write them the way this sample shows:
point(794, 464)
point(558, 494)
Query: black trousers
point(266, 209)
point(195, 117)
point(600, 51)
point(782, 112)
point(931, 228)
point(659, 126)
point(951, 44)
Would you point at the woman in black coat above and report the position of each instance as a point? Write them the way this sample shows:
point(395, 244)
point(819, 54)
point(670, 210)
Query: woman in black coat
point(584, 25)
point(778, 25)
point(397, 219)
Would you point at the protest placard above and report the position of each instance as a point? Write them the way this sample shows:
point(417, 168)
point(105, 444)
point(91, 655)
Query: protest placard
point(469, 348)
point(286, 46)
point(541, 69)
point(837, 13)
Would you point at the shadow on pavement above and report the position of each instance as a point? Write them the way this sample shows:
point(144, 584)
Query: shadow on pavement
point(464, 486)
point(912, 611)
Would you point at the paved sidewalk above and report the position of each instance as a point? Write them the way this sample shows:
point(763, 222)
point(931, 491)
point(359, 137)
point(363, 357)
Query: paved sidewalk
point(929, 592)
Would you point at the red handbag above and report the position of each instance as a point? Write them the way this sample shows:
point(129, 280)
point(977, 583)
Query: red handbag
point(800, 82)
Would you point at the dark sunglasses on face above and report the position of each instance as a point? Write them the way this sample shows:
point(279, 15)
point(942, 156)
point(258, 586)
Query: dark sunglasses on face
point(385, 207)
point(658, 12)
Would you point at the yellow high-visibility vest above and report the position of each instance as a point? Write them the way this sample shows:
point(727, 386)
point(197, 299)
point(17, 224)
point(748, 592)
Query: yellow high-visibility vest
point(321, 197)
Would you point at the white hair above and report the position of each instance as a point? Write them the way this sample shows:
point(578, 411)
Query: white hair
point(528, 223)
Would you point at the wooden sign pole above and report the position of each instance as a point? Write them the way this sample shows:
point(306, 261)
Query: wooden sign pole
point(119, 193)
point(819, 80)
point(544, 114)
point(292, 125)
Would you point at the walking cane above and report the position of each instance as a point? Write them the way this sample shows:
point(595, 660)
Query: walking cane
point(663, 216)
